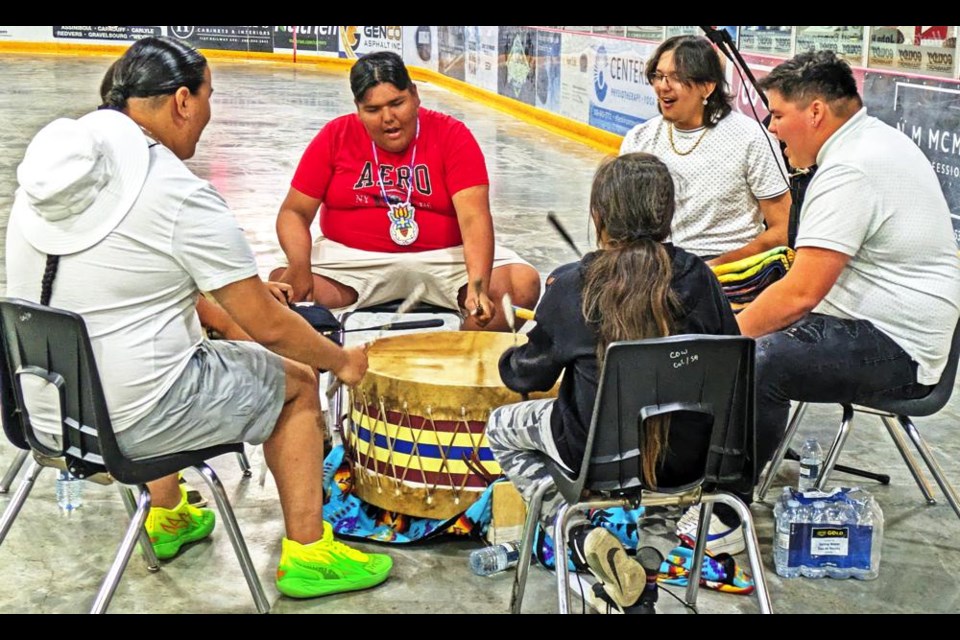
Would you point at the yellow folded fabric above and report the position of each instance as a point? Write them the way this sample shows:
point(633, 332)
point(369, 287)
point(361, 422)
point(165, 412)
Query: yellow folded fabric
point(749, 262)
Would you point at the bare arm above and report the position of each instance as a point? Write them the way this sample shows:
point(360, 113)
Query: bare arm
point(476, 227)
point(214, 318)
point(776, 214)
point(813, 274)
point(250, 303)
point(293, 231)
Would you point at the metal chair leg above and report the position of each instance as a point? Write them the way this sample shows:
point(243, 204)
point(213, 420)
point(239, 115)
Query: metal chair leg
point(753, 547)
point(236, 538)
point(149, 554)
point(19, 496)
point(527, 542)
point(931, 462)
point(831, 459)
point(244, 464)
point(13, 470)
point(120, 561)
point(781, 451)
point(895, 432)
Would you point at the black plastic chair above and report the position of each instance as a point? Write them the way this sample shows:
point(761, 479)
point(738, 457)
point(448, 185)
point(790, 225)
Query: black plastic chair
point(888, 410)
point(708, 378)
point(50, 348)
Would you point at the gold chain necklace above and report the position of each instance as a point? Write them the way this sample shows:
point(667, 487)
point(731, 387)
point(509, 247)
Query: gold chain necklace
point(688, 151)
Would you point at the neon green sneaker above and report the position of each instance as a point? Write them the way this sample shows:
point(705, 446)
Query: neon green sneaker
point(327, 566)
point(170, 529)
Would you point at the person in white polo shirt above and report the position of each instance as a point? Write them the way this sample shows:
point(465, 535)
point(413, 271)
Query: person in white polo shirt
point(869, 307)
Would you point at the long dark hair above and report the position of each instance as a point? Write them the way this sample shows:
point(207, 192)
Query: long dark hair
point(375, 68)
point(153, 66)
point(626, 291)
point(696, 61)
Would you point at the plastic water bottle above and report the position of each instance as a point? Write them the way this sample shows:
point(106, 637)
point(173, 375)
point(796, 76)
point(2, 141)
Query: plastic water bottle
point(785, 515)
point(494, 559)
point(811, 461)
point(69, 492)
point(817, 517)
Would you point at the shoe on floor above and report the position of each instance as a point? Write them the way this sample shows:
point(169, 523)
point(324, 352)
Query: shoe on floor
point(170, 529)
point(622, 576)
point(194, 497)
point(328, 566)
point(721, 538)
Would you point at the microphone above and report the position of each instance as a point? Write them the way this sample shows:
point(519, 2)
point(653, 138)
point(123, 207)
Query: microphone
point(717, 36)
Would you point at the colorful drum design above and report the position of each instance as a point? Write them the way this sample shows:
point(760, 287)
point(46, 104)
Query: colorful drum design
point(416, 439)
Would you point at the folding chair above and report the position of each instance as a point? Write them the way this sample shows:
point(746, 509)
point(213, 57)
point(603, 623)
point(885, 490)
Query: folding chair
point(48, 366)
point(887, 410)
point(710, 379)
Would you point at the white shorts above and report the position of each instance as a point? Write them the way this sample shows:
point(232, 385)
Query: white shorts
point(380, 277)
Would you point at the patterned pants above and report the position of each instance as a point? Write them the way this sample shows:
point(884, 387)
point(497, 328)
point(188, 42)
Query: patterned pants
point(515, 433)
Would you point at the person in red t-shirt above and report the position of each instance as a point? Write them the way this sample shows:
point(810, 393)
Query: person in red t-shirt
point(403, 196)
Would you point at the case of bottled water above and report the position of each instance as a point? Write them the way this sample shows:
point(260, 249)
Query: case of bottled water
point(833, 534)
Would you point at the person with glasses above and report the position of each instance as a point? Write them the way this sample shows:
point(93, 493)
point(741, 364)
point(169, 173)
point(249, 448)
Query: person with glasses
point(733, 198)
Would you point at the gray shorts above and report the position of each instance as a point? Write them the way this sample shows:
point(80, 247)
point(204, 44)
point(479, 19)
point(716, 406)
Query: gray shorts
point(229, 392)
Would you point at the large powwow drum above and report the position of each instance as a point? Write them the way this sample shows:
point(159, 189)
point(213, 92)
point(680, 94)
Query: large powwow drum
point(416, 439)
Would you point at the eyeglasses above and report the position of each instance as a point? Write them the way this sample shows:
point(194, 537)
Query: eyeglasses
point(671, 78)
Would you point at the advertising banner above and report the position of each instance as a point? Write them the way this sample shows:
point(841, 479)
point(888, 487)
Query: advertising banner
point(620, 95)
point(518, 64)
point(576, 75)
point(450, 51)
point(481, 44)
point(420, 47)
point(127, 34)
point(929, 113)
point(309, 39)
point(227, 38)
point(548, 71)
point(356, 41)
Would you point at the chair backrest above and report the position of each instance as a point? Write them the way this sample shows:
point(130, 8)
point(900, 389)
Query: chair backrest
point(938, 396)
point(704, 382)
point(51, 385)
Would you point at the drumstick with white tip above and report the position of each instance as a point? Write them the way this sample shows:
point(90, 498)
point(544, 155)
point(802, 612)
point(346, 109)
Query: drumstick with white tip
point(508, 313)
point(408, 303)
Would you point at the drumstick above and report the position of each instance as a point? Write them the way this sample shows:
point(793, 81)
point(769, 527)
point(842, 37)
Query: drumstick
point(552, 217)
point(509, 315)
point(523, 314)
point(476, 289)
point(408, 303)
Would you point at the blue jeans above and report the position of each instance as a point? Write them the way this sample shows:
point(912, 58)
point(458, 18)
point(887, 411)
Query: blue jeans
point(821, 358)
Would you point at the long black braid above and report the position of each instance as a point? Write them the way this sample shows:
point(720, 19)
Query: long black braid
point(49, 273)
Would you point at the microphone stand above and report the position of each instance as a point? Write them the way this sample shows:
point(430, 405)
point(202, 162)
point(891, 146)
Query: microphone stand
point(798, 186)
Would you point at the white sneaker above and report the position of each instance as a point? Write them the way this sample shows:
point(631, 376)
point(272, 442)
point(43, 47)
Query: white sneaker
point(721, 538)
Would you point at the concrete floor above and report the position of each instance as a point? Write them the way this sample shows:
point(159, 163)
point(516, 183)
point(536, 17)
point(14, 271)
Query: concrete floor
point(263, 116)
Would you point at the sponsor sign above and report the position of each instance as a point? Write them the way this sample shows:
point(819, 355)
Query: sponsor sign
point(450, 51)
point(927, 112)
point(356, 41)
point(105, 33)
point(518, 64)
point(576, 75)
point(620, 95)
point(548, 70)
point(308, 39)
point(481, 44)
point(226, 38)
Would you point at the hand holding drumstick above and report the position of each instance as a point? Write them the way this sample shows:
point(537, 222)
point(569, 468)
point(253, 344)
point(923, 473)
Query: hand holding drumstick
point(478, 304)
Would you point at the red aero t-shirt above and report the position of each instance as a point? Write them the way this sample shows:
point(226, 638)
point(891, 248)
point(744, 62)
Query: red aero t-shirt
point(339, 168)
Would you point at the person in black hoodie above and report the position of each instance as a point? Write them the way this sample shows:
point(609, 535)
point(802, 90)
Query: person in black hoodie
point(635, 285)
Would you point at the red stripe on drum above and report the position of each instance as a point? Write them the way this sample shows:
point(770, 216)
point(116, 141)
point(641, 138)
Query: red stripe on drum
point(419, 422)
